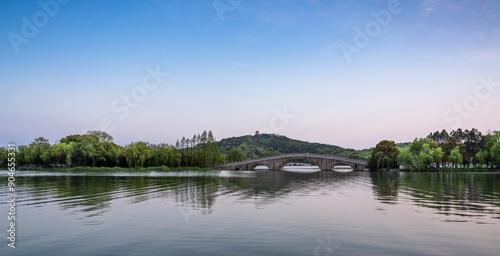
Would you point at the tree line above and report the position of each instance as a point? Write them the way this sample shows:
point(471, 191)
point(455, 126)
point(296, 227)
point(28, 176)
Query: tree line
point(460, 148)
point(97, 149)
point(464, 148)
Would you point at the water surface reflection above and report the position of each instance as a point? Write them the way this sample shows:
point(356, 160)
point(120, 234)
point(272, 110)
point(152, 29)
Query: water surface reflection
point(474, 195)
point(466, 194)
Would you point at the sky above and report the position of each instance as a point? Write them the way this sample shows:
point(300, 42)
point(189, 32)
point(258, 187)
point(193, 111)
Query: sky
point(347, 73)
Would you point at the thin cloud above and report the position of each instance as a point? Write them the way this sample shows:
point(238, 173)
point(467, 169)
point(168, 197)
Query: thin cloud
point(484, 56)
point(429, 7)
point(432, 7)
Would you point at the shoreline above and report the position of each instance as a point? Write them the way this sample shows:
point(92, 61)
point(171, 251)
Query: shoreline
point(165, 168)
point(446, 170)
point(154, 168)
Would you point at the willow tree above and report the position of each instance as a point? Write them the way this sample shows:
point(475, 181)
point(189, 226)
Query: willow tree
point(455, 157)
point(235, 155)
point(3, 156)
point(385, 154)
point(483, 157)
point(137, 153)
point(103, 136)
point(36, 149)
point(420, 154)
point(495, 153)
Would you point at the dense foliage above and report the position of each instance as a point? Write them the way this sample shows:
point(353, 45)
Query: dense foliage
point(235, 155)
point(420, 154)
point(458, 148)
point(384, 156)
point(96, 149)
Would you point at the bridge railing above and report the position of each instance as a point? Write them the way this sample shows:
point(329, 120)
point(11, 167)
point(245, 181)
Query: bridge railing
point(297, 155)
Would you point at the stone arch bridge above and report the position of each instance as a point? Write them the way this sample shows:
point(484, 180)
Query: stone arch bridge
point(324, 162)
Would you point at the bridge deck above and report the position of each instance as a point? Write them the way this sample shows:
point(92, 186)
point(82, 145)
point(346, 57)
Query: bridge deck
point(307, 156)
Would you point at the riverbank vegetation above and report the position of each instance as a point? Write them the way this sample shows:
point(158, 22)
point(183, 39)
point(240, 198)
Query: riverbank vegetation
point(458, 150)
point(88, 168)
point(97, 151)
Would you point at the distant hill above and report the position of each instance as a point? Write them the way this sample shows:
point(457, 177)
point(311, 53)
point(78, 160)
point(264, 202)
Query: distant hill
point(264, 145)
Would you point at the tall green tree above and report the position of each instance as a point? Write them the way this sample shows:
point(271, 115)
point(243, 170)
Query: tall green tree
point(47, 156)
point(439, 137)
point(487, 143)
point(163, 155)
point(193, 143)
point(3, 156)
point(420, 154)
point(103, 136)
point(451, 144)
point(483, 157)
point(213, 153)
point(60, 152)
point(385, 154)
point(71, 138)
point(85, 150)
point(472, 143)
point(210, 137)
point(459, 134)
point(495, 150)
point(36, 149)
point(22, 155)
point(455, 157)
point(111, 152)
point(407, 158)
point(235, 155)
point(136, 154)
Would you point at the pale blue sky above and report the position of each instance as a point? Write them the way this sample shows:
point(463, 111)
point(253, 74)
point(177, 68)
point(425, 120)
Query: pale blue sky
point(233, 75)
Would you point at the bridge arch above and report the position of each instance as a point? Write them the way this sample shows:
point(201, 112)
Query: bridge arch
point(324, 162)
point(342, 163)
point(254, 165)
point(283, 163)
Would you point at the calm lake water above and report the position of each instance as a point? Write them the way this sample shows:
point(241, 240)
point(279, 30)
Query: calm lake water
point(294, 212)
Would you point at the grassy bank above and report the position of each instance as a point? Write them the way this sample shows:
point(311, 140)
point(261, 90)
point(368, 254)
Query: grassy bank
point(461, 169)
point(468, 169)
point(86, 168)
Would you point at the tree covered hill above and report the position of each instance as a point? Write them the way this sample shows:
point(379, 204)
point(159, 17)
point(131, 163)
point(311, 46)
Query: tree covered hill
point(264, 145)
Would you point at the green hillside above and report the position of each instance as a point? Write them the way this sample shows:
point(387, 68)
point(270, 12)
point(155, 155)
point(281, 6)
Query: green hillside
point(264, 145)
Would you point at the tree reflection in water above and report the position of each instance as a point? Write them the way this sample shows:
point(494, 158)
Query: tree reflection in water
point(447, 193)
point(461, 194)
